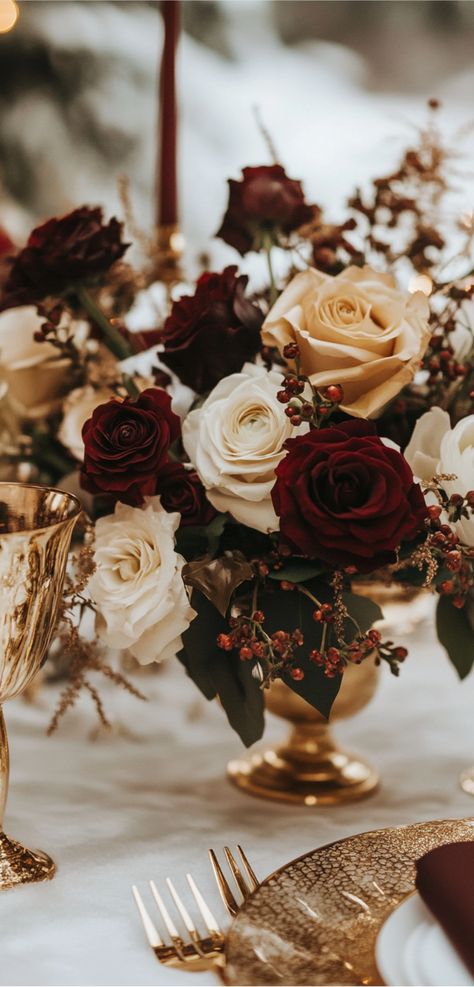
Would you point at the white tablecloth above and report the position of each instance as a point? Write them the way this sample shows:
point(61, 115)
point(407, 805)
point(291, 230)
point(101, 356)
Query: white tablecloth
point(149, 799)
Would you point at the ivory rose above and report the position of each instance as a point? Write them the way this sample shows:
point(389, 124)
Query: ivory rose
point(356, 329)
point(36, 376)
point(235, 442)
point(137, 586)
point(77, 408)
point(435, 447)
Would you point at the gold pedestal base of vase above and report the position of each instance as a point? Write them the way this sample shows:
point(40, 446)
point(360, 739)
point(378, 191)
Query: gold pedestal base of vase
point(310, 769)
point(21, 866)
point(306, 771)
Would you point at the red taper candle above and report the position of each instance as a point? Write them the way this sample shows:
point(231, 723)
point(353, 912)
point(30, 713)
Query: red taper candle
point(166, 177)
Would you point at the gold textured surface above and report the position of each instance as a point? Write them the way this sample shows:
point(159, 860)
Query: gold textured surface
point(36, 525)
point(316, 920)
point(310, 768)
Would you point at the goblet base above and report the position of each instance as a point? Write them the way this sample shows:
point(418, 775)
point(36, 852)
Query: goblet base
point(335, 778)
point(21, 866)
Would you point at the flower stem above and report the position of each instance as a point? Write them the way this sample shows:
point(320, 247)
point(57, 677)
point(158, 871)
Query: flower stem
point(111, 336)
point(267, 246)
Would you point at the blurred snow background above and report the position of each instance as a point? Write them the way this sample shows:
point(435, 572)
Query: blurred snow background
point(339, 85)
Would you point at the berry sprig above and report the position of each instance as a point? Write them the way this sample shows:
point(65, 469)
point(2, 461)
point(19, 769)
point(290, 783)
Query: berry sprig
point(335, 659)
point(61, 337)
point(316, 409)
point(445, 546)
point(274, 653)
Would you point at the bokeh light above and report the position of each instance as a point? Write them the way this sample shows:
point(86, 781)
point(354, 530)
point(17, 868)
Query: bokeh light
point(9, 14)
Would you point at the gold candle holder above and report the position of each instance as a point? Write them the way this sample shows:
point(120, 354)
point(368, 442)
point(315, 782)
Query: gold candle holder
point(36, 525)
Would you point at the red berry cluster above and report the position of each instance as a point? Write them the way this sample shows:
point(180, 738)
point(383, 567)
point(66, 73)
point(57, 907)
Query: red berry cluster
point(442, 365)
point(49, 328)
point(448, 551)
point(299, 409)
point(275, 652)
point(334, 659)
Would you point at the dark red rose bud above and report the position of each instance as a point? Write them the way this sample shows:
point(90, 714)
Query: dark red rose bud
point(346, 498)
point(265, 201)
point(61, 253)
point(434, 512)
point(212, 333)
point(126, 443)
point(470, 498)
point(182, 491)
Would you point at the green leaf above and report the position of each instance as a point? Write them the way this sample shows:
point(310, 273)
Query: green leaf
point(196, 540)
point(363, 610)
point(298, 571)
point(222, 673)
point(214, 531)
point(218, 578)
point(456, 635)
point(285, 611)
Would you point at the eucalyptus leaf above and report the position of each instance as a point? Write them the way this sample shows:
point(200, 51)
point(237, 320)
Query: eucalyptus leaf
point(456, 635)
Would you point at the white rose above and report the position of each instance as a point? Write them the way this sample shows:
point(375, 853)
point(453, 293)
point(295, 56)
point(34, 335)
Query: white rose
point(457, 457)
point(36, 375)
point(435, 447)
point(423, 450)
point(355, 329)
point(137, 586)
point(462, 337)
point(235, 442)
point(77, 408)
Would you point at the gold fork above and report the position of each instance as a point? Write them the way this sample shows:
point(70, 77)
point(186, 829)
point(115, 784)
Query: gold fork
point(195, 952)
point(244, 885)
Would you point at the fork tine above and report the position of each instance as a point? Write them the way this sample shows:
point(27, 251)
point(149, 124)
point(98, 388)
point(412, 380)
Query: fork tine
point(172, 930)
point(203, 908)
point(239, 879)
point(151, 931)
point(181, 909)
point(224, 889)
point(254, 882)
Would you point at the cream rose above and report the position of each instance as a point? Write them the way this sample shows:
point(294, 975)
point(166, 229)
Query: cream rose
point(77, 408)
point(235, 442)
point(435, 447)
point(355, 329)
point(35, 374)
point(137, 586)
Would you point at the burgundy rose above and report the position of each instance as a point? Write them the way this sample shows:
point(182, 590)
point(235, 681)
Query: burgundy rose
point(181, 490)
point(212, 333)
point(345, 497)
point(62, 253)
point(126, 443)
point(266, 201)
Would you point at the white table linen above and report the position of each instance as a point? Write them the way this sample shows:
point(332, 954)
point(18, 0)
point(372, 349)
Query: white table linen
point(148, 800)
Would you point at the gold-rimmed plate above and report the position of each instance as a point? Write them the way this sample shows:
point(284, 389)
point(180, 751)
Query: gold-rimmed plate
point(315, 921)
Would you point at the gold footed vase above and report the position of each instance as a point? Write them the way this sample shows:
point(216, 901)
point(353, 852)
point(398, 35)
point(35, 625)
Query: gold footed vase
point(310, 768)
point(36, 525)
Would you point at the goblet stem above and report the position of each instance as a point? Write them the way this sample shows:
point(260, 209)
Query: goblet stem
point(17, 864)
point(4, 767)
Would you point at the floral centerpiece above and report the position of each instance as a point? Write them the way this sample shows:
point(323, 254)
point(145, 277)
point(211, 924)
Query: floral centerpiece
point(287, 442)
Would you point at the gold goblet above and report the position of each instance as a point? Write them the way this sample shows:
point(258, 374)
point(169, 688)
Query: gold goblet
point(36, 524)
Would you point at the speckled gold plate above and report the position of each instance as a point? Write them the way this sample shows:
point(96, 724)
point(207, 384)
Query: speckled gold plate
point(315, 921)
